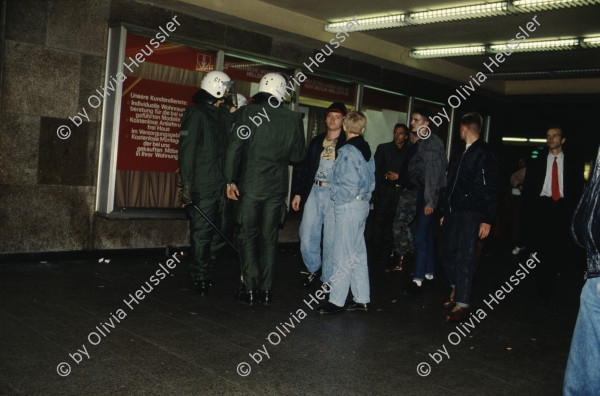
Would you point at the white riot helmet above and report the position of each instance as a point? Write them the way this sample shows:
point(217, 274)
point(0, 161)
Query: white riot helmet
point(274, 84)
point(241, 100)
point(216, 83)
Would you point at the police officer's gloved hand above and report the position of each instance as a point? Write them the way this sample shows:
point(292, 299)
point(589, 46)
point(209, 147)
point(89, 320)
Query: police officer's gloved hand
point(186, 195)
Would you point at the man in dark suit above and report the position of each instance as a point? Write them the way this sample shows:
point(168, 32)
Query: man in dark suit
point(552, 187)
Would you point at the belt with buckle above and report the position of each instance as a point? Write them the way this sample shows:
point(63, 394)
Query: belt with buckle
point(322, 184)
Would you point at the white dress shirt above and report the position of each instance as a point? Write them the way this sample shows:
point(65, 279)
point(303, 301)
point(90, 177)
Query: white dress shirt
point(560, 161)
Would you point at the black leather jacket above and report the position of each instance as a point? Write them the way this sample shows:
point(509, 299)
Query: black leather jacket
point(473, 183)
point(304, 177)
point(586, 222)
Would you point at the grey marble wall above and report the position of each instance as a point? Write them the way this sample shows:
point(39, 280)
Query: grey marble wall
point(54, 58)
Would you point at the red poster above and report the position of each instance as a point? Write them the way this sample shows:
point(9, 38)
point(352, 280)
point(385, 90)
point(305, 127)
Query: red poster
point(169, 54)
point(151, 114)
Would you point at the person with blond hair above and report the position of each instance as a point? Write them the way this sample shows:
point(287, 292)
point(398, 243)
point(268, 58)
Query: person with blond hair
point(352, 184)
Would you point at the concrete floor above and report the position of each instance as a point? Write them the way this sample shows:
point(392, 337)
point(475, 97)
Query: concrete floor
point(176, 342)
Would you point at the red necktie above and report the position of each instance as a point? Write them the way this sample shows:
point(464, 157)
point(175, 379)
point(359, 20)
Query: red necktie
point(555, 187)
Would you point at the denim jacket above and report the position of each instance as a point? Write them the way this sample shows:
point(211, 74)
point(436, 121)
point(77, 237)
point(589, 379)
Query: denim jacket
point(586, 222)
point(353, 173)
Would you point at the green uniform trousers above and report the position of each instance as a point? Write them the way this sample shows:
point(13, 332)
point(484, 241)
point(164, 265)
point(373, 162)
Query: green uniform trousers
point(259, 216)
point(204, 240)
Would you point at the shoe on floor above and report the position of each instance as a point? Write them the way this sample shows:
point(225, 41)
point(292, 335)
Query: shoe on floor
point(311, 278)
point(517, 250)
point(265, 297)
point(450, 301)
point(458, 314)
point(356, 306)
point(329, 308)
point(246, 296)
point(412, 289)
point(400, 265)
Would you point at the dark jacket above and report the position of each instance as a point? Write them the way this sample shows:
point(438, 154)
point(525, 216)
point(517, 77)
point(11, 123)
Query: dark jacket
point(473, 183)
point(388, 157)
point(304, 177)
point(536, 175)
point(202, 148)
point(404, 178)
point(257, 159)
point(427, 168)
point(586, 222)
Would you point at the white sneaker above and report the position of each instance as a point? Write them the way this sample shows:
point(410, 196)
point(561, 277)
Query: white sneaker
point(429, 276)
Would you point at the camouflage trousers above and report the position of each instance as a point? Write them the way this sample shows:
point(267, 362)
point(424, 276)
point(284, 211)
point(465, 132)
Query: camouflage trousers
point(405, 217)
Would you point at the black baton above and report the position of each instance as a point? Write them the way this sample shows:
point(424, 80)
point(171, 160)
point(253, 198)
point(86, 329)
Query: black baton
point(213, 225)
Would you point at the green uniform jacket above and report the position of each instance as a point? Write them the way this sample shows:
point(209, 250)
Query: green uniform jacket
point(202, 148)
point(259, 163)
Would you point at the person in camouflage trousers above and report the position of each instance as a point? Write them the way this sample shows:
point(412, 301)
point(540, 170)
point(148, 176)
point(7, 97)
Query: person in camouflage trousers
point(406, 211)
point(405, 216)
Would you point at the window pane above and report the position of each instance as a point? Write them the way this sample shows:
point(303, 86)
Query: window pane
point(383, 110)
point(155, 94)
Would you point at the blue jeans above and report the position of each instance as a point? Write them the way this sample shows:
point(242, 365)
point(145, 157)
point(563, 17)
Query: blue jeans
point(318, 218)
point(582, 376)
point(349, 255)
point(424, 248)
point(457, 244)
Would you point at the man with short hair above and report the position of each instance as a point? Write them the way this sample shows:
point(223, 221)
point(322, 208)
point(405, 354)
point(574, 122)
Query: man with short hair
point(469, 203)
point(551, 189)
point(389, 158)
point(427, 171)
point(312, 185)
point(405, 214)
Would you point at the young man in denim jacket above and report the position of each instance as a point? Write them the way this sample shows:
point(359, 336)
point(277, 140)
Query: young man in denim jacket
point(351, 188)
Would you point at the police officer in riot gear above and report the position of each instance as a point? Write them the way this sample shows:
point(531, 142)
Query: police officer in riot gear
point(266, 138)
point(202, 147)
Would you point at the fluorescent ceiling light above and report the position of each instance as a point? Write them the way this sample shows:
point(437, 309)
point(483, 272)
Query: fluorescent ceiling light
point(370, 23)
point(456, 13)
point(425, 53)
point(550, 44)
point(514, 139)
point(591, 42)
point(537, 140)
point(481, 10)
point(541, 45)
point(544, 5)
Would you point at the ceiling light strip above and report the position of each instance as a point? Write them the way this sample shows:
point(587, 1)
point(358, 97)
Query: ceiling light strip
point(551, 44)
point(426, 53)
point(545, 5)
point(590, 42)
point(538, 46)
point(379, 22)
point(513, 139)
point(456, 13)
